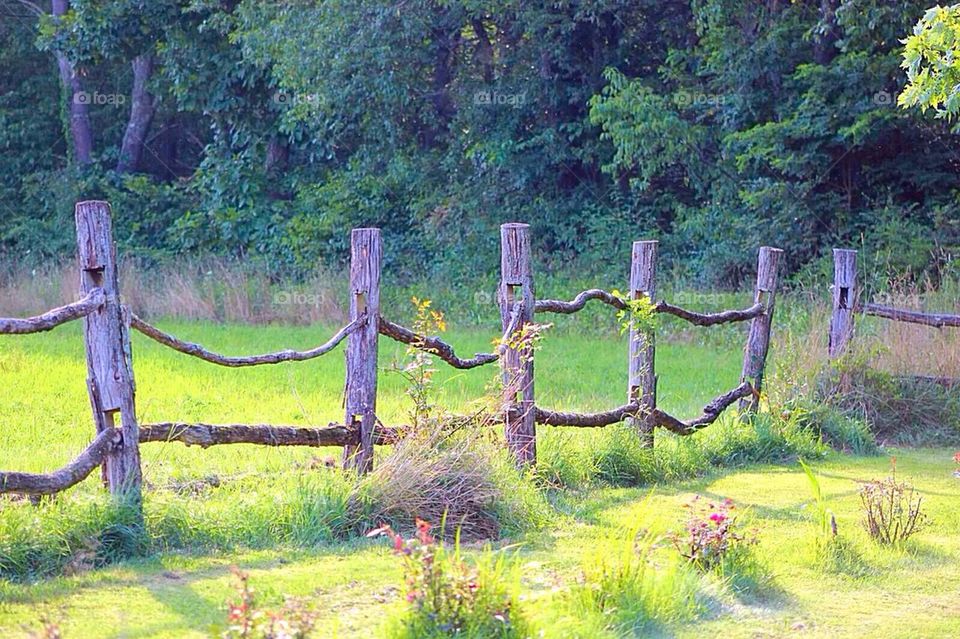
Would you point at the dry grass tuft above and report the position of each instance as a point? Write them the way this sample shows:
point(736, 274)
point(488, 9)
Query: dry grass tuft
point(450, 478)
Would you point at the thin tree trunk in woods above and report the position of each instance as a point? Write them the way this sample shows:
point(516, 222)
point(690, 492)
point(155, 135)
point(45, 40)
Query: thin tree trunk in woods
point(80, 131)
point(141, 114)
point(446, 40)
point(484, 51)
point(278, 154)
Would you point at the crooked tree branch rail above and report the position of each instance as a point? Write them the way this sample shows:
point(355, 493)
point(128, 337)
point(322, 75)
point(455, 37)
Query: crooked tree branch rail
point(107, 326)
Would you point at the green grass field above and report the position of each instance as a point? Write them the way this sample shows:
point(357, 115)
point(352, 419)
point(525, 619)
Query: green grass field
point(263, 509)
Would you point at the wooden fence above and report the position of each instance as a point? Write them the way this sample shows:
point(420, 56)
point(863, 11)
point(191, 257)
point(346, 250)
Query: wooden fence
point(847, 304)
point(110, 382)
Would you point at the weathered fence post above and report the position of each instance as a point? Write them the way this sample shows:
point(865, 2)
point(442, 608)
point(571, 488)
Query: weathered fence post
point(844, 307)
point(517, 363)
point(107, 341)
point(361, 386)
point(642, 384)
point(758, 341)
point(844, 301)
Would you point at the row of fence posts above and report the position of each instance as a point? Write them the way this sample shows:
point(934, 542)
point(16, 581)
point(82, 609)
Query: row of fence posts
point(517, 361)
point(110, 371)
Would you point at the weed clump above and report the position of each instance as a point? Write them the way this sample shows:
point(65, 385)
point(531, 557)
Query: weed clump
point(892, 510)
point(629, 594)
point(448, 596)
point(247, 619)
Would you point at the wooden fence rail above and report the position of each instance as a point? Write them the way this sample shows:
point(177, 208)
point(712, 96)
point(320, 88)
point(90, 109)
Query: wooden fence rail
point(107, 325)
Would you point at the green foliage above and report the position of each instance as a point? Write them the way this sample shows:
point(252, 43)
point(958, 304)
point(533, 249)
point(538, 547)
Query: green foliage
point(929, 56)
point(713, 126)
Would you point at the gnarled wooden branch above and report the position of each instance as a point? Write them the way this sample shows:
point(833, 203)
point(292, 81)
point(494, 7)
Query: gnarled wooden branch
point(937, 320)
point(700, 319)
point(206, 435)
point(709, 319)
point(578, 302)
point(53, 318)
point(558, 418)
point(189, 348)
point(433, 345)
point(710, 414)
point(59, 480)
point(442, 349)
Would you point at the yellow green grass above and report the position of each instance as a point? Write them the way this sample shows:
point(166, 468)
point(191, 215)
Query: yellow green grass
point(274, 512)
point(908, 592)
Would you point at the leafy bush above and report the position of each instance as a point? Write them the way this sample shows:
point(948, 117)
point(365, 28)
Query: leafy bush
point(891, 509)
point(899, 409)
point(840, 430)
point(450, 597)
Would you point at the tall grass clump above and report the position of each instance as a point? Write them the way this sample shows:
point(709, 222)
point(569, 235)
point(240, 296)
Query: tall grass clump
point(66, 535)
point(898, 379)
point(625, 591)
point(615, 455)
point(464, 478)
point(832, 551)
point(310, 508)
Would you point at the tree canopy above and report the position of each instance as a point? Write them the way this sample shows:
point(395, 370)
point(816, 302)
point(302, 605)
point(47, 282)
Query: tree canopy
point(242, 127)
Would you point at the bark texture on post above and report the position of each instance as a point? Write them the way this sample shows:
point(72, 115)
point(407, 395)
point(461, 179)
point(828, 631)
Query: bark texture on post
point(642, 384)
point(106, 334)
point(844, 301)
point(366, 254)
point(516, 284)
point(758, 341)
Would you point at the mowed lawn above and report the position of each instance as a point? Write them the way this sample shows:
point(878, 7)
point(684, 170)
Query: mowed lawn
point(913, 592)
point(44, 422)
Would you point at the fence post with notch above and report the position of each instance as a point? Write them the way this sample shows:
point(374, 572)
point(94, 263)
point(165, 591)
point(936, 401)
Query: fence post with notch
point(516, 360)
point(366, 256)
point(106, 333)
point(845, 298)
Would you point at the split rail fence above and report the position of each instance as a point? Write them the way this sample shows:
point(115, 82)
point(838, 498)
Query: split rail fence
point(107, 324)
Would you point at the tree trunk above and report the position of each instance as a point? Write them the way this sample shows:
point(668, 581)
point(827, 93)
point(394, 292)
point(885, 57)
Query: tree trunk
point(484, 50)
point(141, 113)
point(80, 131)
